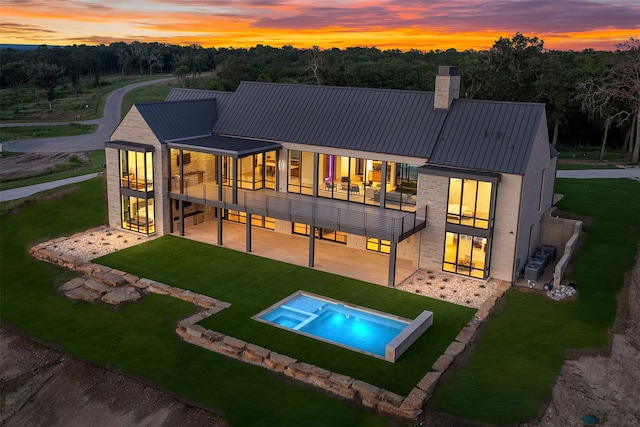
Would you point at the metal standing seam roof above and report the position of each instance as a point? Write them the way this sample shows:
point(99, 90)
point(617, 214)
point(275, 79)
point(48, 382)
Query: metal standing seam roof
point(488, 135)
point(472, 134)
point(375, 120)
point(178, 120)
point(180, 94)
point(226, 146)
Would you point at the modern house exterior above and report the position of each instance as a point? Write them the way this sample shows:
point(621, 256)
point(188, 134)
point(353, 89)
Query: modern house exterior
point(450, 184)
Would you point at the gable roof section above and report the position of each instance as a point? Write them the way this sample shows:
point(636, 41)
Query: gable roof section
point(488, 135)
point(178, 120)
point(375, 120)
point(180, 94)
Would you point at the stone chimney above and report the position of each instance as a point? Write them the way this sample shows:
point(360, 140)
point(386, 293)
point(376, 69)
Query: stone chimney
point(447, 87)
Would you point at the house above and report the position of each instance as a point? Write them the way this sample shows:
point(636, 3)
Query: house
point(451, 184)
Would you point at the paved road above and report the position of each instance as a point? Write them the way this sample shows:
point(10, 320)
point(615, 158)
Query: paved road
point(632, 173)
point(95, 141)
point(19, 193)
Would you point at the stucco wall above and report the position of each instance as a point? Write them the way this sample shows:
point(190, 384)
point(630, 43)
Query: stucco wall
point(133, 128)
point(537, 197)
point(505, 227)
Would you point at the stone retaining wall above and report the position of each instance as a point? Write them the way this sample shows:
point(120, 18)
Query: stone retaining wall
point(569, 247)
point(370, 396)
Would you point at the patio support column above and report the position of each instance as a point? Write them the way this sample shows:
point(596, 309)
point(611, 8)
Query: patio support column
point(316, 184)
point(248, 232)
point(219, 224)
point(219, 175)
point(391, 281)
point(312, 243)
point(181, 217)
point(234, 195)
point(383, 185)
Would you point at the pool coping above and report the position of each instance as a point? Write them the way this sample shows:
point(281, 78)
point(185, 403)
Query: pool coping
point(393, 349)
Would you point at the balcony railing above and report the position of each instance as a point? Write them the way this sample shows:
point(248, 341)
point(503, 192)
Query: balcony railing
point(364, 220)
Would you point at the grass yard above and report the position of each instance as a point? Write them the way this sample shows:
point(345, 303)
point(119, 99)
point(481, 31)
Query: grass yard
point(21, 104)
point(139, 339)
point(519, 353)
point(13, 133)
point(152, 93)
point(68, 170)
point(251, 284)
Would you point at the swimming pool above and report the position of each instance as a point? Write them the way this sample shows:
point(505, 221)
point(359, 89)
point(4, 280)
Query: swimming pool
point(357, 328)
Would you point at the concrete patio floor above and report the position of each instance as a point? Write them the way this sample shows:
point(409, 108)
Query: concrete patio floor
point(330, 257)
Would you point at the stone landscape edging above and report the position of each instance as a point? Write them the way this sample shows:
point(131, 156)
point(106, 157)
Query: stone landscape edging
point(370, 396)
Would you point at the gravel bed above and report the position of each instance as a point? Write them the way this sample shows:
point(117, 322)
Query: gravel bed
point(456, 289)
point(443, 286)
point(98, 242)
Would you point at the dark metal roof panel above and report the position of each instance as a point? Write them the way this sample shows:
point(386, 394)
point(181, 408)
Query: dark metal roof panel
point(234, 147)
point(488, 135)
point(375, 120)
point(179, 94)
point(177, 120)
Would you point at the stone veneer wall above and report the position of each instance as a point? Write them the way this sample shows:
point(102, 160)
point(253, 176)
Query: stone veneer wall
point(433, 191)
point(133, 128)
point(343, 386)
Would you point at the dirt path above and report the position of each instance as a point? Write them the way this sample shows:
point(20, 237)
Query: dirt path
point(44, 387)
point(605, 388)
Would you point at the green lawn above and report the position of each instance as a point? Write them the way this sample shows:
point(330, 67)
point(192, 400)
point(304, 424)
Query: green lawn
point(13, 133)
point(252, 284)
point(139, 339)
point(519, 353)
point(505, 380)
point(152, 93)
point(21, 104)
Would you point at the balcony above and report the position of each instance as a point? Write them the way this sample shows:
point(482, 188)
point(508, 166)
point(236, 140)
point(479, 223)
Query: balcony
point(359, 219)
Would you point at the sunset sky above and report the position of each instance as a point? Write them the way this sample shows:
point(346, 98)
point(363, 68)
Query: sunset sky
point(387, 24)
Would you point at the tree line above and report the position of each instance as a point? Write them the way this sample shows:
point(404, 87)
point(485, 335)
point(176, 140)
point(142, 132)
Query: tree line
point(592, 97)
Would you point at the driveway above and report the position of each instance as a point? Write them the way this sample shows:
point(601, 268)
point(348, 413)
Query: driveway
point(631, 173)
point(95, 141)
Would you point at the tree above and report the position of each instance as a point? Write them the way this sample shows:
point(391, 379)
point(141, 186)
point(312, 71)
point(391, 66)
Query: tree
point(507, 71)
point(47, 76)
point(615, 97)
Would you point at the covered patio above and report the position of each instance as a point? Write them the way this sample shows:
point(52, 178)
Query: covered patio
point(329, 257)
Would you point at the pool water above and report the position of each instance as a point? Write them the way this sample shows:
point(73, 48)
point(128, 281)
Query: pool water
point(353, 327)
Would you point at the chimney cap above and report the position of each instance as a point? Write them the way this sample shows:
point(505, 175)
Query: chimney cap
point(448, 70)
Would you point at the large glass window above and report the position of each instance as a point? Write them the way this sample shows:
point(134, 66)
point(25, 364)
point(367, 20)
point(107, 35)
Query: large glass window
point(320, 233)
point(138, 214)
point(469, 202)
point(136, 191)
point(256, 220)
point(136, 170)
point(403, 186)
point(378, 245)
point(300, 179)
point(464, 254)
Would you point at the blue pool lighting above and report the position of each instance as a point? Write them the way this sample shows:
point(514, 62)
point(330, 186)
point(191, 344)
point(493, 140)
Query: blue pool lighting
point(356, 328)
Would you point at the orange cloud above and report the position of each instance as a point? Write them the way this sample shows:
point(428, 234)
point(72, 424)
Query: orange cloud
point(386, 24)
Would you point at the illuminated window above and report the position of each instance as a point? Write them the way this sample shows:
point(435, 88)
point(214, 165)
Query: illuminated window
point(466, 255)
point(469, 202)
point(378, 245)
point(136, 170)
point(300, 168)
point(256, 220)
point(320, 233)
point(136, 191)
point(138, 214)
